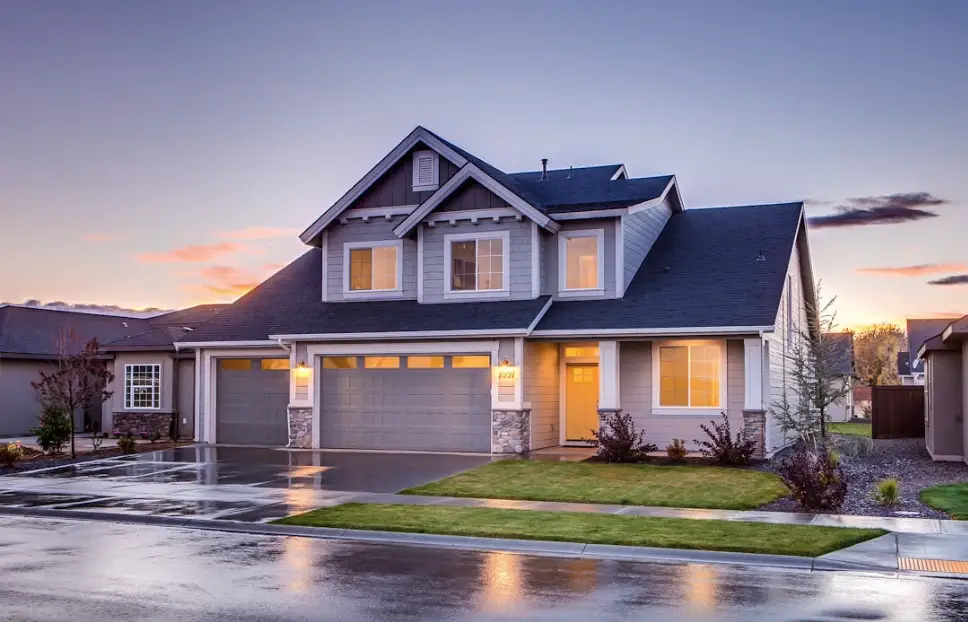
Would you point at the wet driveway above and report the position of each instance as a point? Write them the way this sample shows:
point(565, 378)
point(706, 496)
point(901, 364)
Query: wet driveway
point(85, 570)
point(234, 483)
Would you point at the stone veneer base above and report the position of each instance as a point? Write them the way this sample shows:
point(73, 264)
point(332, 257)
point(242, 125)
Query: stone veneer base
point(141, 425)
point(510, 431)
point(754, 427)
point(301, 428)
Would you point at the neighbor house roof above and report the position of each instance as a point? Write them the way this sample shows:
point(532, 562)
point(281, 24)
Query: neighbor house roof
point(705, 270)
point(919, 331)
point(290, 302)
point(33, 332)
point(162, 331)
point(844, 349)
point(949, 338)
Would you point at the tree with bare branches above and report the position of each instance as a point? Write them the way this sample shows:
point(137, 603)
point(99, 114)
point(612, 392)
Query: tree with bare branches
point(79, 379)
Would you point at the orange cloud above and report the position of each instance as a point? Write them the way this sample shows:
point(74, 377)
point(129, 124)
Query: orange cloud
point(101, 238)
point(190, 254)
point(918, 270)
point(225, 282)
point(257, 233)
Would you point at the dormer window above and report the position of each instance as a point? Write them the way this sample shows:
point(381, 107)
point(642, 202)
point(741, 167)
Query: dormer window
point(581, 269)
point(426, 167)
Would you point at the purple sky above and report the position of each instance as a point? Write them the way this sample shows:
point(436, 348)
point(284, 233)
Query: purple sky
point(167, 153)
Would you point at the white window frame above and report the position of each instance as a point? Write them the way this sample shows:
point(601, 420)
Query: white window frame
point(563, 237)
point(705, 411)
point(435, 183)
point(505, 291)
point(129, 387)
point(372, 293)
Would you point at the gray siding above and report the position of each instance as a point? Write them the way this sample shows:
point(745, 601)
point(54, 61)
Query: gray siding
point(168, 380)
point(185, 398)
point(636, 395)
point(944, 393)
point(541, 379)
point(471, 196)
point(550, 263)
point(19, 409)
point(639, 233)
point(373, 230)
point(395, 188)
point(519, 271)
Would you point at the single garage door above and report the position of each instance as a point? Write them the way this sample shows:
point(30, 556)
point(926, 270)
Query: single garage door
point(252, 400)
point(417, 403)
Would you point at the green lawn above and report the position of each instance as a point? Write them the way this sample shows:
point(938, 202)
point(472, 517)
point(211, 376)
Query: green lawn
point(626, 484)
point(710, 535)
point(851, 429)
point(950, 498)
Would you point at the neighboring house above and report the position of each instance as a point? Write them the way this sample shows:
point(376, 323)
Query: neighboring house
point(844, 349)
point(862, 400)
point(29, 344)
point(918, 331)
point(946, 391)
point(444, 305)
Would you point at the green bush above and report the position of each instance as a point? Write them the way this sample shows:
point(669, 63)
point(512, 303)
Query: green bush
point(887, 492)
point(54, 431)
point(11, 453)
point(127, 444)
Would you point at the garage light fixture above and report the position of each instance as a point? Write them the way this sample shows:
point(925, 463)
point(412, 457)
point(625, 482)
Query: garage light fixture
point(302, 370)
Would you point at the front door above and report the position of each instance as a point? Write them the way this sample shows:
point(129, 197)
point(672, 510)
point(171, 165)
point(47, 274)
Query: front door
point(581, 401)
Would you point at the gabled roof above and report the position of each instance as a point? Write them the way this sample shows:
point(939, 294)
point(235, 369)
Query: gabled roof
point(702, 272)
point(290, 302)
point(919, 331)
point(843, 348)
point(33, 332)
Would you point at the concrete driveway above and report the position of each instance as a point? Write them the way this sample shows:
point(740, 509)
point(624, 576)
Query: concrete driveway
point(225, 482)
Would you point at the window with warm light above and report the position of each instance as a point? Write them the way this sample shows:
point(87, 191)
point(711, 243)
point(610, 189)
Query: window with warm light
point(690, 375)
point(142, 386)
point(275, 364)
point(372, 267)
point(381, 362)
point(425, 362)
point(467, 362)
point(581, 352)
point(580, 260)
point(476, 263)
point(339, 362)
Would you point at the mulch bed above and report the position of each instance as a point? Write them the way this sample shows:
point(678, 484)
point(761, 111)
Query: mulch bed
point(34, 459)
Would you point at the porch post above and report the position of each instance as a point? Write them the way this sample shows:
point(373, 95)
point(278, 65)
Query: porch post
point(609, 389)
point(755, 392)
point(510, 419)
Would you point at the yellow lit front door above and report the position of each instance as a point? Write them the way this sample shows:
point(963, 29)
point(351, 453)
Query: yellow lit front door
point(581, 401)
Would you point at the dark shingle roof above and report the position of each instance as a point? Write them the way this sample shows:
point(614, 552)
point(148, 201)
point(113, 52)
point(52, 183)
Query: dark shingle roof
point(702, 272)
point(919, 331)
point(30, 331)
point(903, 363)
point(164, 330)
point(844, 349)
point(290, 302)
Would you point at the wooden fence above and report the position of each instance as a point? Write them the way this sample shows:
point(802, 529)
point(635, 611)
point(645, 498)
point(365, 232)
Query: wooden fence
point(897, 412)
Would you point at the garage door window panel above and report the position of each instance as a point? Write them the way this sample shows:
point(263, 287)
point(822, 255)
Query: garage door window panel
point(142, 386)
point(339, 362)
point(425, 362)
point(381, 362)
point(471, 362)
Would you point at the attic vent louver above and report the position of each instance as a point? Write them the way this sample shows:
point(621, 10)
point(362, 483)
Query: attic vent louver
point(425, 171)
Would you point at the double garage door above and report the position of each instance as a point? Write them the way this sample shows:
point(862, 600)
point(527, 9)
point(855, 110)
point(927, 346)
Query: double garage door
point(416, 403)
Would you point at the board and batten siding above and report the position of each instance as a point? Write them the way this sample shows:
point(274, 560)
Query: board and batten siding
point(636, 396)
point(395, 187)
point(550, 259)
point(518, 272)
point(373, 230)
point(471, 196)
point(639, 233)
point(541, 378)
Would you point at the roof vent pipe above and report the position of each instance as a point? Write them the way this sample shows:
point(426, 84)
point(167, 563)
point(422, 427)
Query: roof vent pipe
point(571, 172)
point(544, 169)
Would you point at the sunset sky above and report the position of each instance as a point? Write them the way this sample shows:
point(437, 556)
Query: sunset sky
point(168, 153)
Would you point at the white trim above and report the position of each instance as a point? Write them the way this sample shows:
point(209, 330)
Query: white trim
point(470, 171)
point(378, 212)
point(712, 331)
point(127, 395)
point(426, 334)
point(420, 264)
point(562, 407)
point(372, 293)
point(601, 213)
point(493, 213)
point(634, 209)
point(419, 134)
point(434, 182)
point(325, 250)
point(535, 260)
point(563, 238)
point(945, 457)
point(504, 291)
point(210, 358)
point(540, 315)
point(753, 374)
point(519, 377)
point(260, 343)
point(620, 257)
point(713, 411)
point(197, 390)
point(609, 389)
point(621, 172)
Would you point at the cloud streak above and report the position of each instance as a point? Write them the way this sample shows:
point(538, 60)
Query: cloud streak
point(225, 281)
point(257, 233)
point(89, 308)
point(190, 254)
point(880, 210)
point(916, 270)
point(955, 279)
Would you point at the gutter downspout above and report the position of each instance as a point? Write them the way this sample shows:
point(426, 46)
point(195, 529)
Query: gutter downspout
point(287, 348)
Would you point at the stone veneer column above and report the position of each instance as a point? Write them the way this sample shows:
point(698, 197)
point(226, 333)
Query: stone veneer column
point(754, 427)
point(142, 424)
point(510, 431)
point(301, 428)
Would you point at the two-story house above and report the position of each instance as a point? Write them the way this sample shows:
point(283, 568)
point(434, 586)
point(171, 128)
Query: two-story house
point(445, 305)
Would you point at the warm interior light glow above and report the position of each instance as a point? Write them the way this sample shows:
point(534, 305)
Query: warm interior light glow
point(302, 371)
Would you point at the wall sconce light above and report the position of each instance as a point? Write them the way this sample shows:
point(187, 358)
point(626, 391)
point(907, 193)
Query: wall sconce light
point(505, 371)
point(302, 370)
point(505, 363)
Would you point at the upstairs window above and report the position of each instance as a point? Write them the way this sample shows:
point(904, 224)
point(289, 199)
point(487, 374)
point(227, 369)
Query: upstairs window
point(580, 261)
point(142, 386)
point(426, 167)
point(372, 267)
point(477, 263)
point(690, 375)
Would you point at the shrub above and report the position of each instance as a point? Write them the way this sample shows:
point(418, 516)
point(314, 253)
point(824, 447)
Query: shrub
point(676, 450)
point(722, 448)
point(887, 492)
point(155, 436)
point(127, 444)
point(11, 453)
point(116, 433)
point(619, 441)
point(54, 430)
point(834, 456)
point(815, 482)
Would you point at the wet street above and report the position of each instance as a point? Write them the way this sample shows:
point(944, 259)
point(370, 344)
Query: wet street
point(56, 570)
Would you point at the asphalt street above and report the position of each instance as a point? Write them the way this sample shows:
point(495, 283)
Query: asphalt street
point(57, 570)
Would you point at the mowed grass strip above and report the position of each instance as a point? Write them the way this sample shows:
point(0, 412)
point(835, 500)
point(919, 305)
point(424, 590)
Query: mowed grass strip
point(623, 484)
point(851, 429)
point(950, 498)
point(679, 533)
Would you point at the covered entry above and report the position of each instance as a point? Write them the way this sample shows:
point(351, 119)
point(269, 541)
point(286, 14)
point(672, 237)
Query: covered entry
point(252, 401)
point(418, 402)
